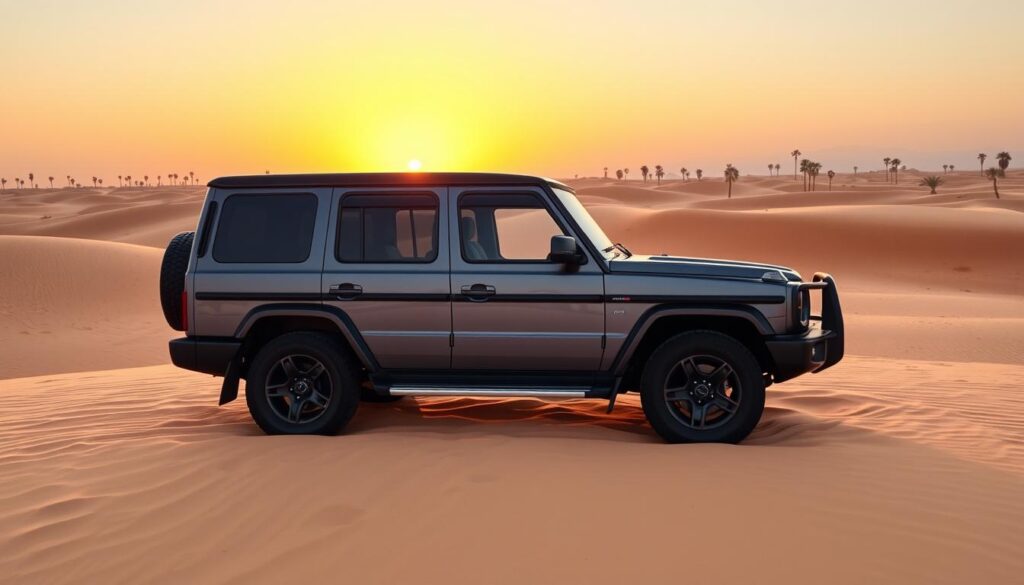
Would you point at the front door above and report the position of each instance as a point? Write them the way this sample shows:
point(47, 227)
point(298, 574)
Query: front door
point(386, 266)
point(512, 308)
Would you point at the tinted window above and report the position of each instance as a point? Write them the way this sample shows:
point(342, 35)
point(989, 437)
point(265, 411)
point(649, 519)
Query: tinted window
point(504, 228)
point(265, 228)
point(387, 229)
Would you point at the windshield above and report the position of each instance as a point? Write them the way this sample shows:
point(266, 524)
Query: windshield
point(591, 230)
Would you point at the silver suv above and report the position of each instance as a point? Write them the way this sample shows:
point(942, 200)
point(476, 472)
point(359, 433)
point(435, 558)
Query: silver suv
point(324, 290)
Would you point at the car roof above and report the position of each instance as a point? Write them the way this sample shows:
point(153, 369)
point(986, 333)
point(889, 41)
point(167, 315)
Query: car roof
point(380, 180)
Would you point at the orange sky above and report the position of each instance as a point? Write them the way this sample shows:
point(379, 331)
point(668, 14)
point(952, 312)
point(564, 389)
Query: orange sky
point(116, 87)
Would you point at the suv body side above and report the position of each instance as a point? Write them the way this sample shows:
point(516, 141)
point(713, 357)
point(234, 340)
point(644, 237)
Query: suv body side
point(454, 311)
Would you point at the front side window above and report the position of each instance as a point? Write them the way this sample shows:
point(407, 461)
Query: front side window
point(383, 229)
point(265, 228)
point(505, 228)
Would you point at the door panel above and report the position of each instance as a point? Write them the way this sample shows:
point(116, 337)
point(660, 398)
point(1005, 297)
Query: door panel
point(383, 275)
point(511, 309)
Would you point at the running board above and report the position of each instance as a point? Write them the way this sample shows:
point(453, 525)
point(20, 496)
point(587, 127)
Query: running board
point(560, 392)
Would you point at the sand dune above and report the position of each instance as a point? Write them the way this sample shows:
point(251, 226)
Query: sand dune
point(139, 477)
point(144, 216)
point(903, 464)
point(75, 305)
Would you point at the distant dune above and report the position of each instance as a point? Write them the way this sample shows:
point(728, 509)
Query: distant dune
point(75, 305)
point(903, 464)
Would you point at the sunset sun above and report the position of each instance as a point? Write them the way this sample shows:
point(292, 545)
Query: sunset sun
point(415, 165)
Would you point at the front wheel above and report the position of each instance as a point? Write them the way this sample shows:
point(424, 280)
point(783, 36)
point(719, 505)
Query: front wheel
point(702, 387)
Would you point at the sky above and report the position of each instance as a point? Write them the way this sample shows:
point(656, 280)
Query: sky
point(112, 87)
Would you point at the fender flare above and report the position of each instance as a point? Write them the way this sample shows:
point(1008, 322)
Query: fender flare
point(650, 316)
point(335, 315)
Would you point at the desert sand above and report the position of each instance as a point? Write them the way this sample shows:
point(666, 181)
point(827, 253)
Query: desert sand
point(903, 464)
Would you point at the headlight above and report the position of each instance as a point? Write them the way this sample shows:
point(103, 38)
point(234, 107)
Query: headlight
point(803, 308)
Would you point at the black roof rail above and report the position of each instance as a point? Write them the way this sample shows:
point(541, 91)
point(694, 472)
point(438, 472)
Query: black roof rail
point(381, 180)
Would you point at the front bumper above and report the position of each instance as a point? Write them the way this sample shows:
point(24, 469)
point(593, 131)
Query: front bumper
point(210, 356)
point(818, 348)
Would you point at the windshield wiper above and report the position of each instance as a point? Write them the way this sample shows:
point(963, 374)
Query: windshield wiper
point(620, 247)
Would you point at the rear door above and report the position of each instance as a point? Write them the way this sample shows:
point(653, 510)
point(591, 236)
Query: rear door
point(263, 246)
point(512, 308)
point(386, 266)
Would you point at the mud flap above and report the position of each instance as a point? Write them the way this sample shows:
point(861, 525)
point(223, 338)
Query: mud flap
point(614, 394)
point(229, 389)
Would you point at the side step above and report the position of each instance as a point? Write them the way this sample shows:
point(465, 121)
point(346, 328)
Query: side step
point(558, 392)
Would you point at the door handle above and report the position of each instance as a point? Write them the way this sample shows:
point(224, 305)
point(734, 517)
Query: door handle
point(478, 292)
point(346, 290)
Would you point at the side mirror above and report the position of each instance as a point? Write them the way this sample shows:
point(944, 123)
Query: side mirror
point(564, 250)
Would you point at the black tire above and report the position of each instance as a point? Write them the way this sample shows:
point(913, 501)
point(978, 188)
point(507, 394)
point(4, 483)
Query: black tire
point(172, 278)
point(339, 370)
point(672, 406)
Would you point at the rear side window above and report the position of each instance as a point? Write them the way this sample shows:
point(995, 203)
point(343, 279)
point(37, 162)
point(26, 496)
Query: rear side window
point(265, 228)
point(387, 228)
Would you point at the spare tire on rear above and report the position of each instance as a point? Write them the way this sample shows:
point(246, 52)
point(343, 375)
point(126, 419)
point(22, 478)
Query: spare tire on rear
point(172, 278)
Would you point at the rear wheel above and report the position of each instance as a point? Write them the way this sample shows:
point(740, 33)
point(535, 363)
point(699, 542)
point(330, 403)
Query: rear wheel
point(703, 387)
point(302, 383)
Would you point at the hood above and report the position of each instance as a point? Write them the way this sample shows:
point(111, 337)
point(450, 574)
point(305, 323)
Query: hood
point(703, 267)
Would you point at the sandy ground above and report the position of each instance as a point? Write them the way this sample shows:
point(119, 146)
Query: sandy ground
point(903, 464)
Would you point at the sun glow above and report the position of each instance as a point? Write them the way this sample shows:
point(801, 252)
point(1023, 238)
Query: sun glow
point(415, 165)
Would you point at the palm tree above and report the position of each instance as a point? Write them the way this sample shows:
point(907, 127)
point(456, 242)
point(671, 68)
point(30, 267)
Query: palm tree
point(1004, 159)
point(606, 172)
point(805, 170)
point(795, 154)
point(815, 169)
point(771, 166)
point(951, 167)
point(643, 171)
point(618, 174)
point(625, 171)
point(192, 176)
point(778, 167)
point(700, 173)
point(684, 172)
point(981, 158)
point(51, 182)
point(887, 162)
point(32, 179)
point(896, 170)
point(945, 169)
point(831, 175)
point(158, 180)
point(855, 171)
point(100, 181)
point(731, 174)
point(933, 182)
point(119, 181)
point(146, 179)
point(993, 175)
point(3, 183)
point(94, 182)
point(659, 172)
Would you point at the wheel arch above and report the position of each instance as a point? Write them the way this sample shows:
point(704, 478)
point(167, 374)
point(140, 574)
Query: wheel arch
point(266, 322)
point(745, 324)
